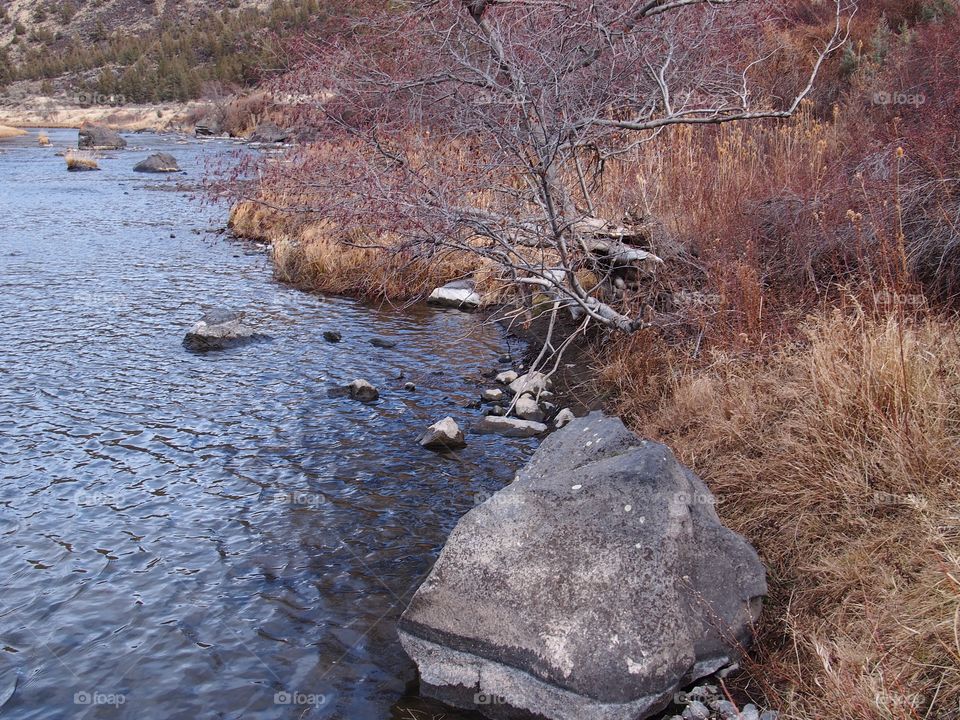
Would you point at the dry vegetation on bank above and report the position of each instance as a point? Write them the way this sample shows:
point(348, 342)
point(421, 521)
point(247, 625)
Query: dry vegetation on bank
point(9, 132)
point(804, 359)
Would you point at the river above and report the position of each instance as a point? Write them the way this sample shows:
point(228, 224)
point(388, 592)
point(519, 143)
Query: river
point(209, 536)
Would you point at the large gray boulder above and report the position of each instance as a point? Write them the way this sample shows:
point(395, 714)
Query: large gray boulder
point(592, 588)
point(158, 163)
point(220, 330)
point(98, 137)
point(269, 134)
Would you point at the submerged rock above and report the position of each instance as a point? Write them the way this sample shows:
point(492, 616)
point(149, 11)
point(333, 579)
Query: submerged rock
point(363, 391)
point(158, 163)
point(459, 294)
point(594, 587)
point(98, 137)
point(443, 435)
point(509, 427)
point(332, 336)
point(383, 343)
point(220, 330)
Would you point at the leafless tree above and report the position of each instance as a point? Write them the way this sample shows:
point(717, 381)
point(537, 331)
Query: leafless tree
point(480, 126)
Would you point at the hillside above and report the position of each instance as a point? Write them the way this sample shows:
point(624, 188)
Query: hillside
point(144, 51)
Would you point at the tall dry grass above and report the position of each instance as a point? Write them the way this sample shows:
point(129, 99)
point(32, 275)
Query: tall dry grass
point(78, 160)
point(7, 132)
point(838, 456)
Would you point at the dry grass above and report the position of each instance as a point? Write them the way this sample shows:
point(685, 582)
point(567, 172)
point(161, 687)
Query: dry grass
point(839, 458)
point(80, 160)
point(10, 132)
point(314, 255)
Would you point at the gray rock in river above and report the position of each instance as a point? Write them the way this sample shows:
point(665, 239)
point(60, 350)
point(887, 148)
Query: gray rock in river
point(332, 336)
point(509, 427)
point(363, 391)
point(98, 137)
point(220, 330)
point(158, 163)
point(383, 343)
point(443, 435)
point(592, 588)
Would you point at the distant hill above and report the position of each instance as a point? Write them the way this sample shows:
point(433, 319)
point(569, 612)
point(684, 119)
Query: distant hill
point(148, 50)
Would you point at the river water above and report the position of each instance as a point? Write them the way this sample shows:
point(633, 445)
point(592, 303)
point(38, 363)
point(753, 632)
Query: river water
point(208, 536)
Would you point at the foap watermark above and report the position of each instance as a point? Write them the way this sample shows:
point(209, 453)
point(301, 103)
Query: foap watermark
point(88, 99)
point(900, 701)
point(894, 500)
point(299, 498)
point(886, 297)
point(299, 698)
point(689, 298)
point(482, 698)
point(86, 498)
point(95, 697)
point(696, 498)
point(105, 300)
point(899, 98)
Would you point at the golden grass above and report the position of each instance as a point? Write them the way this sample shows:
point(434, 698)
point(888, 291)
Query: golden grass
point(10, 132)
point(80, 160)
point(839, 458)
point(317, 256)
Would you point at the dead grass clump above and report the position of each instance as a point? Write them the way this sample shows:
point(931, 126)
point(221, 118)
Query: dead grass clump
point(839, 458)
point(79, 161)
point(10, 132)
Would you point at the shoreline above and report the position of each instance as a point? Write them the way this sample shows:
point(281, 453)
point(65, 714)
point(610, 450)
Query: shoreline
point(164, 117)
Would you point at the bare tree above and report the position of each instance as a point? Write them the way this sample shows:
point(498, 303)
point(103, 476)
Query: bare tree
point(480, 126)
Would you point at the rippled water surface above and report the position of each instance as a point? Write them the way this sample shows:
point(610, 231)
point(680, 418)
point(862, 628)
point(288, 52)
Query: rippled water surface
point(208, 536)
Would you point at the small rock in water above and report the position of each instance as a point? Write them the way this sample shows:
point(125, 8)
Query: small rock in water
point(332, 336)
point(492, 395)
point(473, 405)
point(443, 435)
point(383, 343)
point(506, 358)
point(363, 391)
point(505, 378)
point(220, 330)
point(497, 411)
point(410, 387)
point(528, 409)
point(510, 427)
